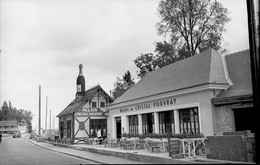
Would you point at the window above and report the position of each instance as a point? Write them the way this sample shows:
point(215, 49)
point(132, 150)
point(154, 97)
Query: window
point(148, 122)
point(133, 124)
point(81, 125)
point(189, 120)
point(102, 104)
point(69, 128)
point(166, 122)
point(96, 124)
point(94, 104)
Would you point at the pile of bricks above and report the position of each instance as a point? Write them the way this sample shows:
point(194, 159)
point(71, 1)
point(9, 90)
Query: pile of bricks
point(233, 146)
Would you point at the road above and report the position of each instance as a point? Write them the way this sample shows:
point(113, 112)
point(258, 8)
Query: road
point(19, 151)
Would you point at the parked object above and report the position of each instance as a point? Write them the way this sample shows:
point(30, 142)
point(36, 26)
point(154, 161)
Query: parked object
point(17, 135)
point(33, 135)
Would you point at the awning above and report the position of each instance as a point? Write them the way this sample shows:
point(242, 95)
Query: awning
point(89, 112)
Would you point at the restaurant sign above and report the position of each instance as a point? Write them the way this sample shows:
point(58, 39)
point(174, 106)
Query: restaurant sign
point(89, 112)
point(149, 105)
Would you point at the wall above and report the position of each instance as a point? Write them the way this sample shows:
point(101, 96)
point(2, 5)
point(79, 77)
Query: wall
point(225, 117)
point(98, 98)
point(200, 99)
point(231, 147)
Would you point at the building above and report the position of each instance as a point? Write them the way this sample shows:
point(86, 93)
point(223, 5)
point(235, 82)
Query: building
point(85, 114)
point(23, 127)
point(200, 94)
point(234, 107)
point(8, 126)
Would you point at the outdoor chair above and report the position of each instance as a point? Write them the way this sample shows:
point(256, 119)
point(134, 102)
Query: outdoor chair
point(153, 146)
point(141, 144)
point(128, 145)
point(111, 143)
point(121, 143)
point(166, 147)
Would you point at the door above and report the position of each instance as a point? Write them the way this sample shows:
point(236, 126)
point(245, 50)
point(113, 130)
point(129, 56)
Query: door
point(245, 119)
point(118, 128)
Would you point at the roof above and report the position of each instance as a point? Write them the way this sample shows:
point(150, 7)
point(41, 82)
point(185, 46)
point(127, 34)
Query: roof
point(9, 123)
point(239, 69)
point(79, 101)
point(201, 69)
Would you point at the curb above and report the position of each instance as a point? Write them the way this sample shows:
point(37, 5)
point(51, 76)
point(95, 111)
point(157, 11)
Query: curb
point(68, 153)
point(129, 155)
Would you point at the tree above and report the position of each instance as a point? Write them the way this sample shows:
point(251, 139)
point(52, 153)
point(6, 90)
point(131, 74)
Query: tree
point(122, 85)
point(197, 24)
point(190, 27)
point(8, 112)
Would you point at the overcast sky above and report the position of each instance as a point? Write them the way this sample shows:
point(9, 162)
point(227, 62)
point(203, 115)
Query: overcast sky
point(44, 41)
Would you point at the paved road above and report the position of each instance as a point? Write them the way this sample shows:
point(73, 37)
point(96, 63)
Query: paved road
point(16, 151)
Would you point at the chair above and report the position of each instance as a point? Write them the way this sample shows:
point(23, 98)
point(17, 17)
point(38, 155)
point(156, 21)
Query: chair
point(153, 146)
point(128, 145)
point(166, 145)
point(121, 143)
point(141, 144)
point(111, 143)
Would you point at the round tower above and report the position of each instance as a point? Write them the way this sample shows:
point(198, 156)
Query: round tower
point(80, 82)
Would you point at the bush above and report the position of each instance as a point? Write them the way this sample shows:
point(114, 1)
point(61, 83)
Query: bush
point(160, 136)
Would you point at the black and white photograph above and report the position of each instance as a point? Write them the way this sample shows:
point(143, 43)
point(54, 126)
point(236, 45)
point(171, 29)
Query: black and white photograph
point(129, 82)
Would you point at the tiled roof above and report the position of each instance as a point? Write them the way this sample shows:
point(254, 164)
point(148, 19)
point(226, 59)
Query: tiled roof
point(204, 68)
point(239, 69)
point(81, 100)
point(9, 123)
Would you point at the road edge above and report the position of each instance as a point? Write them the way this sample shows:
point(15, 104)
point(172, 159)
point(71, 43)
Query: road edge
point(67, 153)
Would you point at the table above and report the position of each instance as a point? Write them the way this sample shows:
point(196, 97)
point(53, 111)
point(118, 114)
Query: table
point(134, 140)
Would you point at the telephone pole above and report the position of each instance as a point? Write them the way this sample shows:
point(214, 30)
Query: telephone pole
point(46, 113)
point(39, 124)
point(50, 120)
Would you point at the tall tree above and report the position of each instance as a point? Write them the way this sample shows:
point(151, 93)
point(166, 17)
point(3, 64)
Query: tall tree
point(122, 85)
point(8, 112)
point(190, 27)
point(198, 24)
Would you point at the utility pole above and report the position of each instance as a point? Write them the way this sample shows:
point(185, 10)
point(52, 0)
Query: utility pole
point(46, 113)
point(53, 124)
point(50, 120)
point(39, 124)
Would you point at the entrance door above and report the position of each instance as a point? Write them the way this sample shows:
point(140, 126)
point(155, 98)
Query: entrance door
point(245, 119)
point(118, 128)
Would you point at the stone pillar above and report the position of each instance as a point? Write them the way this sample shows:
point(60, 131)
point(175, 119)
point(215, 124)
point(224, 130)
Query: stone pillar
point(140, 124)
point(176, 121)
point(156, 122)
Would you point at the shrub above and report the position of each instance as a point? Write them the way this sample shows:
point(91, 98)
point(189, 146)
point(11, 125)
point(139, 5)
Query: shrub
point(160, 136)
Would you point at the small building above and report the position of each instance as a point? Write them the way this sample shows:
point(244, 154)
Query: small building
point(8, 126)
point(84, 116)
point(22, 127)
point(204, 94)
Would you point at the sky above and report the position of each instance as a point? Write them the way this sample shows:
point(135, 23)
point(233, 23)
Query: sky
point(44, 41)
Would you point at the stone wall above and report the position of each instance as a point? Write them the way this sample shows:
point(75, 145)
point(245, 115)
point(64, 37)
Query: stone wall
point(225, 119)
point(232, 146)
